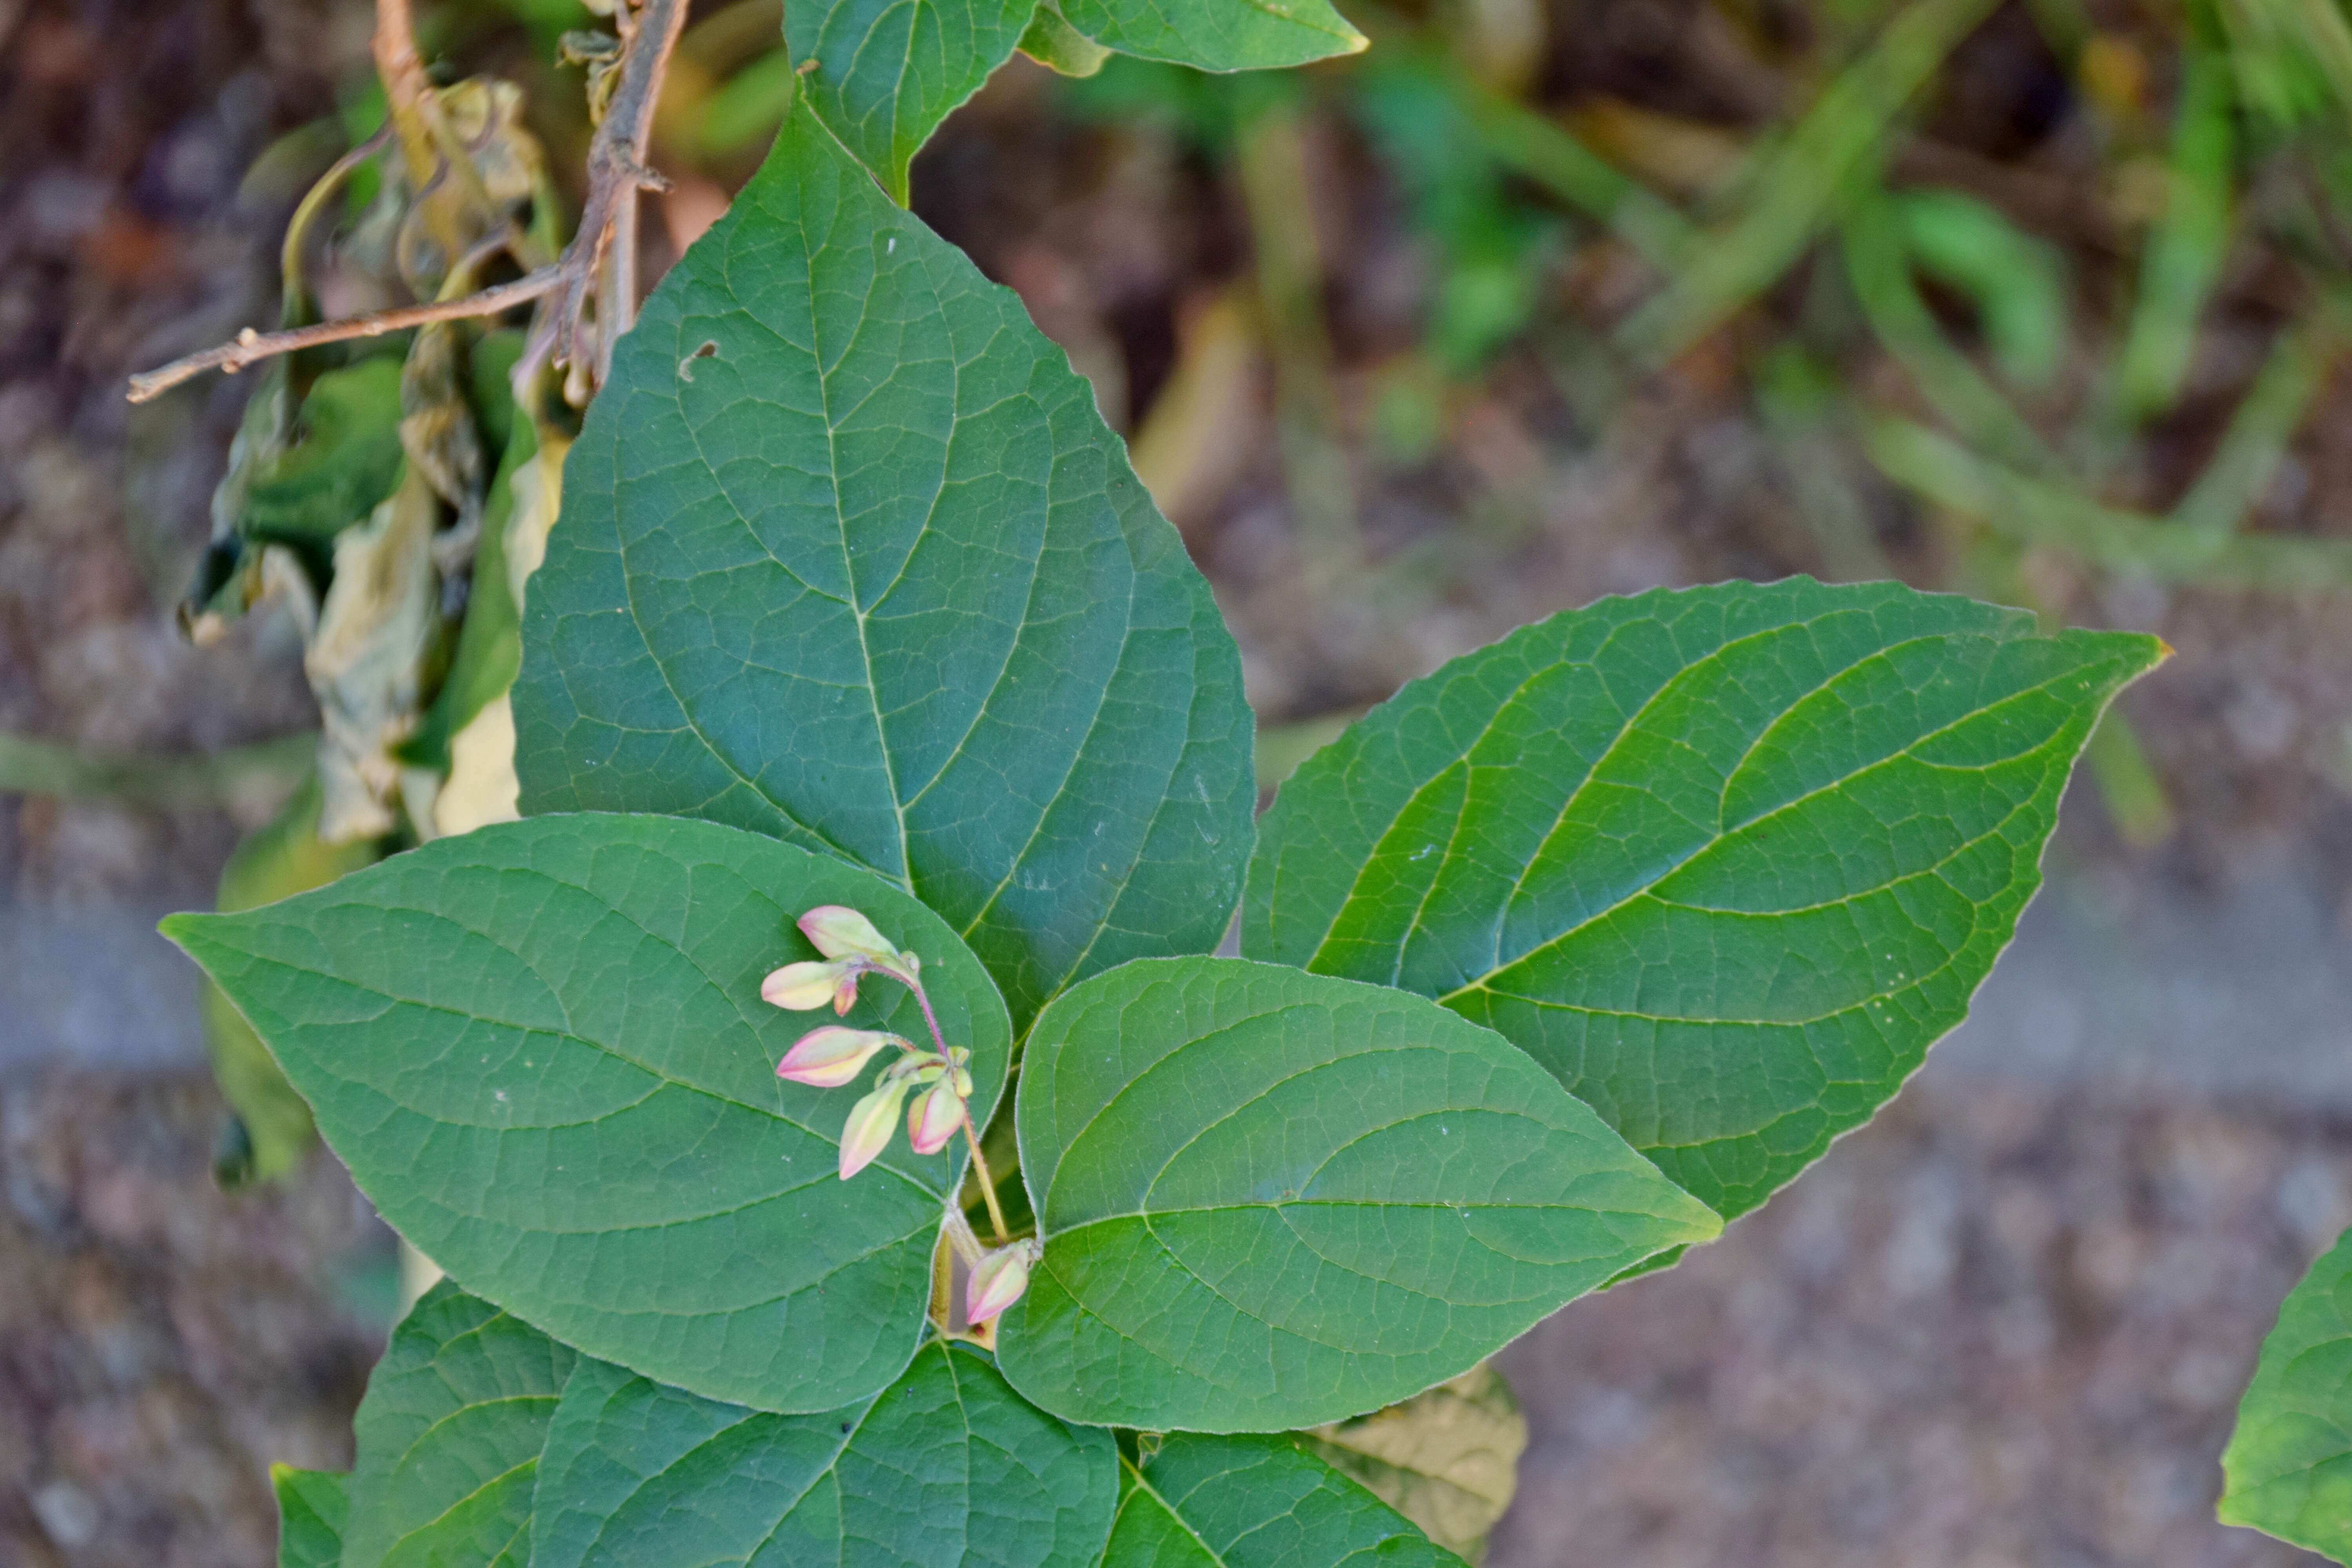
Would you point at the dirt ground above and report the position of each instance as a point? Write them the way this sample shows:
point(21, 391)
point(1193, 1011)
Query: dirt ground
point(2004, 1325)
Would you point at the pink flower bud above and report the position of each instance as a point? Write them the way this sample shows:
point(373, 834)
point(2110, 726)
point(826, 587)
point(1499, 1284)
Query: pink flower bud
point(867, 1132)
point(800, 987)
point(829, 1057)
point(999, 1280)
point(933, 1118)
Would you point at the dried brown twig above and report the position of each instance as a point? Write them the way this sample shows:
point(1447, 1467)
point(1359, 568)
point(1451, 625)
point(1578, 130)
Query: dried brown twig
point(616, 173)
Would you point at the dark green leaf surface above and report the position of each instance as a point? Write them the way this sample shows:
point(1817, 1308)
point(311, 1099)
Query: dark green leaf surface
point(846, 556)
point(449, 1435)
point(1273, 1199)
point(1727, 861)
point(1217, 34)
point(947, 1465)
point(2288, 1469)
point(541, 1048)
point(887, 71)
point(313, 1506)
point(347, 460)
point(1256, 1502)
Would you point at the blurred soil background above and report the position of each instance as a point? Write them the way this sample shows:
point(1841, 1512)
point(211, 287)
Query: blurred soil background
point(1539, 300)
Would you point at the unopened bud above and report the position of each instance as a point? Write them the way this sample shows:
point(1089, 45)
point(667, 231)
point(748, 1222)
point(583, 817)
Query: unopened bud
point(829, 1057)
point(802, 987)
point(839, 932)
point(933, 1118)
point(867, 1132)
point(998, 1280)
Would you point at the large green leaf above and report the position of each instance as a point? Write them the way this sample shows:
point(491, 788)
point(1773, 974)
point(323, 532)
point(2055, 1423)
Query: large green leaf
point(1256, 1502)
point(1726, 860)
point(541, 1048)
point(284, 856)
point(312, 1507)
point(847, 557)
point(946, 1466)
point(2288, 1468)
point(449, 1436)
point(1217, 34)
point(1272, 1199)
point(887, 71)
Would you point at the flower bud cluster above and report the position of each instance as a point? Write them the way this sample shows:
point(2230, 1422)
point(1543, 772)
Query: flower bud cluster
point(932, 1083)
point(938, 1078)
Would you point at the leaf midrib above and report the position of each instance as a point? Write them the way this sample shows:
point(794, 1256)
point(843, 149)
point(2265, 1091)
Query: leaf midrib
point(1482, 981)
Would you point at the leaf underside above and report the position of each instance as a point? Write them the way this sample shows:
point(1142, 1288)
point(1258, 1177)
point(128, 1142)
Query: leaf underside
point(1725, 860)
point(449, 1435)
point(947, 1465)
point(1446, 1459)
point(1273, 1199)
point(1255, 1502)
point(2288, 1468)
point(847, 557)
point(1217, 34)
point(541, 1048)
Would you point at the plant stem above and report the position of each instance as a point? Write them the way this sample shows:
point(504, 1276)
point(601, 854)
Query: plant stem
point(250, 345)
point(971, 1132)
point(987, 1181)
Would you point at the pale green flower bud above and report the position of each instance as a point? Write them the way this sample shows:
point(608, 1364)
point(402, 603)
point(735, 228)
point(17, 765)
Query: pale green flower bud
point(829, 1057)
point(933, 1118)
point(999, 1280)
point(802, 987)
point(871, 1121)
point(840, 933)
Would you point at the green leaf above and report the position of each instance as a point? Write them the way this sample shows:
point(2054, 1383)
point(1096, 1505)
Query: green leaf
point(871, 575)
point(1446, 1459)
point(1053, 43)
point(347, 460)
point(313, 1506)
point(887, 71)
point(1273, 1199)
point(449, 1435)
point(1218, 34)
point(284, 856)
point(541, 1048)
point(1255, 1502)
point(2288, 1469)
point(1726, 861)
point(945, 1466)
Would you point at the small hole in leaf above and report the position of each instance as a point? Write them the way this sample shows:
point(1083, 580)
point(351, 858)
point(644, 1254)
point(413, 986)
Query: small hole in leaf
point(686, 365)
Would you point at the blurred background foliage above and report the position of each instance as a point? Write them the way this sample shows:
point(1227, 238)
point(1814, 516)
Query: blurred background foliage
point(2038, 300)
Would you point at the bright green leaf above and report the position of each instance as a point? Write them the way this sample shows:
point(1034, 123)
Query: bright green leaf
point(1256, 1502)
point(1726, 861)
point(312, 1507)
point(284, 856)
point(1272, 1199)
point(947, 1465)
point(2288, 1467)
point(449, 1435)
point(541, 1048)
point(887, 71)
point(1051, 42)
point(847, 557)
point(347, 460)
point(1217, 34)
